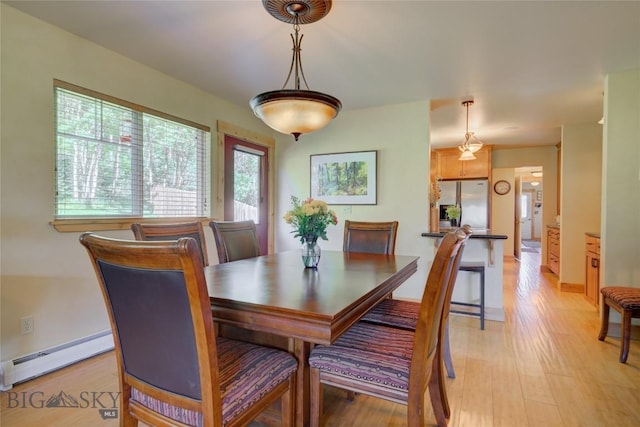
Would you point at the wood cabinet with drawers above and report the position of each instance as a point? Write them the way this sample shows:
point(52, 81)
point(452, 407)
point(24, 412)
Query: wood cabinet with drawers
point(592, 268)
point(553, 249)
point(448, 166)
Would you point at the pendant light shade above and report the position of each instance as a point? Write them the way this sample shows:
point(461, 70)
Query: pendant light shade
point(471, 144)
point(467, 155)
point(296, 111)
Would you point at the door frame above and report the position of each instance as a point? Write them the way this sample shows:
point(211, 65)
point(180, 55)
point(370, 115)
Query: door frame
point(217, 210)
point(517, 241)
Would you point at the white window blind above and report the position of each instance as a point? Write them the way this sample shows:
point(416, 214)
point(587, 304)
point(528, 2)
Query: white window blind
point(118, 159)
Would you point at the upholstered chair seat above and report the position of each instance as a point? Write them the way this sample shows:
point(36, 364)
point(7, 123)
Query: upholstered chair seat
point(247, 373)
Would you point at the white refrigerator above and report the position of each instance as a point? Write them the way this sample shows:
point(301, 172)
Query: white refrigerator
point(473, 198)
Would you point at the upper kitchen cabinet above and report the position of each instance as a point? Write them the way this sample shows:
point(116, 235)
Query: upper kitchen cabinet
point(449, 167)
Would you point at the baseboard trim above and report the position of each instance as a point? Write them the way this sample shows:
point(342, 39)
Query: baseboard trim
point(42, 362)
point(577, 288)
point(615, 331)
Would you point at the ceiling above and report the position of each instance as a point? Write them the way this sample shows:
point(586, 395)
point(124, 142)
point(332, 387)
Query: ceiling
point(530, 66)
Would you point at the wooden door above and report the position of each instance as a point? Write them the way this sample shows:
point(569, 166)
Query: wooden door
point(246, 189)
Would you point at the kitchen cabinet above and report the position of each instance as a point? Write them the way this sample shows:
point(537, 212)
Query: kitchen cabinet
point(449, 167)
point(553, 249)
point(592, 268)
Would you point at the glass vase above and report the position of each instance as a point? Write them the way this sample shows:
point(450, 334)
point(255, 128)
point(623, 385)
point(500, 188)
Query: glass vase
point(310, 253)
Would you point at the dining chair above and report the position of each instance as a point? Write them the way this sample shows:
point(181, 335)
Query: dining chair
point(172, 369)
point(370, 237)
point(391, 363)
point(404, 314)
point(235, 240)
point(147, 231)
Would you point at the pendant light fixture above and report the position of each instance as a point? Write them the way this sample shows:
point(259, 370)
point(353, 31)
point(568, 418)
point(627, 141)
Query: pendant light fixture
point(296, 111)
point(471, 144)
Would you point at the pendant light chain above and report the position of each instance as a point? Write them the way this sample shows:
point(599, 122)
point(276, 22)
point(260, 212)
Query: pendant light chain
point(466, 135)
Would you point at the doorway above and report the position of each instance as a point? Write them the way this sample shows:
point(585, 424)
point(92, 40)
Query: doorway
point(246, 189)
point(529, 219)
point(526, 215)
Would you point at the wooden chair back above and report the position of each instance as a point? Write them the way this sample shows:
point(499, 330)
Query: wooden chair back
point(455, 267)
point(428, 330)
point(160, 315)
point(235, 240)
point(370, 237)
point(155, 232)
point(438, 390)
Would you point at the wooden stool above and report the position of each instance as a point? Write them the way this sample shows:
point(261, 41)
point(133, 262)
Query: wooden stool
point(626, 301)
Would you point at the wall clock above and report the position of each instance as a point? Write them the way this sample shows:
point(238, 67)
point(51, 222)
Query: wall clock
point(502, 187)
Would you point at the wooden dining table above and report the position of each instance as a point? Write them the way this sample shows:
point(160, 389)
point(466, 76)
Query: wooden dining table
point(276, 296)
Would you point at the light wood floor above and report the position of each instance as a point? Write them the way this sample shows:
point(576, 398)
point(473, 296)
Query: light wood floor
point(542, 367)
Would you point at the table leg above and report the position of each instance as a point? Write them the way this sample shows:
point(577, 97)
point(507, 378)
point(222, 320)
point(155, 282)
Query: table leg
point(301, 351)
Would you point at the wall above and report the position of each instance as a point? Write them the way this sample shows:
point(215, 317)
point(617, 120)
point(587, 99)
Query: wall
point(46, 273)
point(581, 194)
point(619, 247)
point(400, 133)
point(502, 210)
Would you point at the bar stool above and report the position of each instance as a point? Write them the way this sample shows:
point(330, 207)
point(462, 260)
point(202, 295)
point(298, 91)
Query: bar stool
point(473, 267)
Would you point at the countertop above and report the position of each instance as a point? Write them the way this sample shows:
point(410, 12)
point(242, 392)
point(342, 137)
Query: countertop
point(589, 233)
point(557, 226)
point(477, 234)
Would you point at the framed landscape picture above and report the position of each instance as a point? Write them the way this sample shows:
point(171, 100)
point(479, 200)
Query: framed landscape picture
point(345, 178)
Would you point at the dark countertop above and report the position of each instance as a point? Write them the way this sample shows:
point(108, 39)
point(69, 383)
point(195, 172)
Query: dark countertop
point(588, 233)
point(477, 234)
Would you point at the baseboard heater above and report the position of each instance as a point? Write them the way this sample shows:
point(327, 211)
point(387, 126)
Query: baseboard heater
point(42, 362)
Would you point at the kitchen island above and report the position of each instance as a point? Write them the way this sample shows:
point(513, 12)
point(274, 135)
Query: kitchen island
point(481, 248)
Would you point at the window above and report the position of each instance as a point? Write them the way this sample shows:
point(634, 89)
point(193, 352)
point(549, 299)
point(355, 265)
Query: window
point(117, 159)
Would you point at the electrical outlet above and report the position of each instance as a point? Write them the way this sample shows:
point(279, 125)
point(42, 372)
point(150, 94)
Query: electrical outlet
point(26, 325)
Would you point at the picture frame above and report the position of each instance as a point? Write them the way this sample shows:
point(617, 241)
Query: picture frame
point(345, 178)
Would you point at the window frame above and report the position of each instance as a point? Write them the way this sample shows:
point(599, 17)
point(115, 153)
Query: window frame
point(124, 222)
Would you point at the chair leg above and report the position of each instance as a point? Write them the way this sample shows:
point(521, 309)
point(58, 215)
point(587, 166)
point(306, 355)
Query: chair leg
point(438, 392)
point(448, 362)
point(438, 367)
point(626, 335)
point(604, 329)
point(315, 397)
point(287, 407)
point(126, 420)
